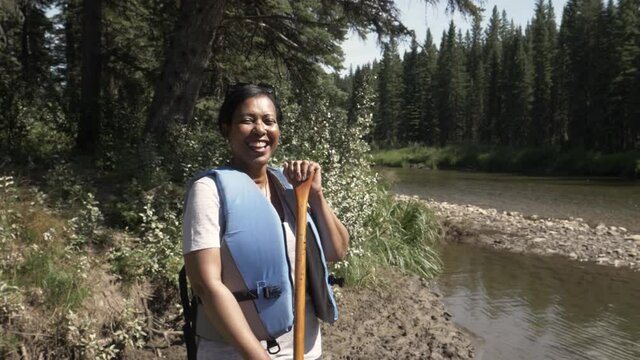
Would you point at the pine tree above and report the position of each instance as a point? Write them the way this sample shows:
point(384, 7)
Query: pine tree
point(451, 83)
point(409, 131)
point(427, 67)
point(389, 95)
point(626, 82)
point(542, 56)
point(476, 93)
point(516, 90)
point(492, 56)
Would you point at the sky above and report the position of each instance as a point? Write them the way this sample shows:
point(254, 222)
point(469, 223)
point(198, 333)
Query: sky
point(418, 16)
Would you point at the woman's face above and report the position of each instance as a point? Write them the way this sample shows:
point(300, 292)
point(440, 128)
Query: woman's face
point(254, 133)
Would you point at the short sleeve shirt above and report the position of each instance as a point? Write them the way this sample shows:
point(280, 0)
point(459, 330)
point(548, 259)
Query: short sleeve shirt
point(201, 230)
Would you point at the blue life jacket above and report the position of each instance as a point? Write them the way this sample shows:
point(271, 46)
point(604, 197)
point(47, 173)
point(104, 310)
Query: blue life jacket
point(252, 235)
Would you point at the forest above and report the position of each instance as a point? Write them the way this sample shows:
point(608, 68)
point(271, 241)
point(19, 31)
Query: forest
point(108, 107)
point(573, 84)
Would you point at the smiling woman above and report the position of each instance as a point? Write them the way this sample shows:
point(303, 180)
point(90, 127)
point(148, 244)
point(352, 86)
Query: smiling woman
point(238, 239)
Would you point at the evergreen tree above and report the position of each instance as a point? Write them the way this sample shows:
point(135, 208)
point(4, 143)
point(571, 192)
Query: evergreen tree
point(389, 95)
point(493, 57)
point(409, 131)
point(626, 82)
point(542, 50)
point(427, 66)
point(476, 93)
point(516, 90)
point(451, 88)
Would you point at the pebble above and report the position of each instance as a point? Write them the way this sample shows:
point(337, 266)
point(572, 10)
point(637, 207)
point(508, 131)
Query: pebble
point(633, 238)
point(516, 232)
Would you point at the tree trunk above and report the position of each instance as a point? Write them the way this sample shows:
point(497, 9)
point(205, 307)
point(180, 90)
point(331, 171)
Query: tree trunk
point(89, 126)
point(177, 88)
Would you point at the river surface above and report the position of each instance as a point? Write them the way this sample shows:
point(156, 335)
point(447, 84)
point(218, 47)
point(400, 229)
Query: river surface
point(532, 307)
point(596, 200)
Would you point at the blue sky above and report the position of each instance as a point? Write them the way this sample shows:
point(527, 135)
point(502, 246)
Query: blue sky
point(418, 16)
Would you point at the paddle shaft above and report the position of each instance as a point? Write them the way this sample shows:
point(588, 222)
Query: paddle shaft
point(302, 199)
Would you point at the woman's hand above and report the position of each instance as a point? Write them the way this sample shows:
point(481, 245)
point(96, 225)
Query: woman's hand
point(333, 234)
point(298, 171)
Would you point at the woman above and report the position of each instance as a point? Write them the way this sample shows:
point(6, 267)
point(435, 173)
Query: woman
point(249, 119)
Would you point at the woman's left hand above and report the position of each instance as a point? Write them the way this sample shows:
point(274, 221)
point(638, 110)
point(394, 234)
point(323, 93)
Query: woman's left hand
point(298, 171)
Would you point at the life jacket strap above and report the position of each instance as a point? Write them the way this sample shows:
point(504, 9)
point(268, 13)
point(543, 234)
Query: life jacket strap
point(273, 347)
point(189, 309)
point(268, 292)
point(336, 280)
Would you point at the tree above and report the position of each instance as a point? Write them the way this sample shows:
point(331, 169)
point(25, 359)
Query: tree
point(626, 82)
point(493, 58)
point(427, 67)
point(200, 20)
point(389, 95)
point(90, 113)
point(542, 55)
point(451, 85)
point(476, 94)
point(410, 120)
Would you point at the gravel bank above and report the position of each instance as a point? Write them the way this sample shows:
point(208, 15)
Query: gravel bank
point(513, 231)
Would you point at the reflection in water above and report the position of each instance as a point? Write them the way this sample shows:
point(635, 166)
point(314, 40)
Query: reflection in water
point(611, 201)
point(530, 307)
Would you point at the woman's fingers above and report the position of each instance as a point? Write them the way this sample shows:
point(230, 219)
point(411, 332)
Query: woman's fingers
point(300, 170)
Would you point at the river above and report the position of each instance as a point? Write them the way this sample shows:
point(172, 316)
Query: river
point(610, 201)
point(533, 307)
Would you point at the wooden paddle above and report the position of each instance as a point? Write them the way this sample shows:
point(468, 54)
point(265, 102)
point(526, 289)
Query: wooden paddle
point(302, 198)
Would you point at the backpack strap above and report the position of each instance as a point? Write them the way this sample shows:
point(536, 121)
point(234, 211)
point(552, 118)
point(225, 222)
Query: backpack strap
point(189, 309)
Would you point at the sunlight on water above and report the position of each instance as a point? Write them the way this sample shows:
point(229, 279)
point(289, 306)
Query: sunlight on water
point(530, 307)
point(611, 201)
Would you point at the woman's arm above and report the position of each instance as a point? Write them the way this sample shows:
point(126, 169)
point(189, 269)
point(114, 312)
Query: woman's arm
point(223, 311)
point(201, 237)
point(334, 235)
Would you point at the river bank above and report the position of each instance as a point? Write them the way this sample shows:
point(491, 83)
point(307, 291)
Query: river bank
point(504, 159)
point(401, 319)
point(512, 231)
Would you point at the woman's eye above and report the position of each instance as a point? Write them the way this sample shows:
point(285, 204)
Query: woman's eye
point(246, 119)
point(269, 121)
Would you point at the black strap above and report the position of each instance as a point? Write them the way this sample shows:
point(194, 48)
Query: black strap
point(268, 292)
point(336, 280)
point(272, 343)
point(189, 309)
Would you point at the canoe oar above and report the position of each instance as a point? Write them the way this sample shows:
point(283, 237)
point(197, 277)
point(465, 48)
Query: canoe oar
point(302, 198)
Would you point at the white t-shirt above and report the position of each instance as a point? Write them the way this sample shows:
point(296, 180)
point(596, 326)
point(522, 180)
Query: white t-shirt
point(201, 230)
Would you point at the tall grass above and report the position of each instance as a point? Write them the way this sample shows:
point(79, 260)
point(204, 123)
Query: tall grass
point(544, 160)
point(402, 235)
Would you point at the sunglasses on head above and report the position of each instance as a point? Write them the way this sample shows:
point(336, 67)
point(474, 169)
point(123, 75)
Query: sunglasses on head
point(265, 87)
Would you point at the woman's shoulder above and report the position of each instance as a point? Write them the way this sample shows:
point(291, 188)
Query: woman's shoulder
point(204, 187)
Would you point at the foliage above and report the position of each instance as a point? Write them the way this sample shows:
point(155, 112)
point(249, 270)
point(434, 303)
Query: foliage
point(572, 87)
point(506, 159)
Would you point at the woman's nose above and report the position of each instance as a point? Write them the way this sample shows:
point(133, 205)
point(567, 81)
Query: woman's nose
point(259, 127)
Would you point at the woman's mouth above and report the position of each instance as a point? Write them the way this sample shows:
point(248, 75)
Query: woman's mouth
point(258, 146)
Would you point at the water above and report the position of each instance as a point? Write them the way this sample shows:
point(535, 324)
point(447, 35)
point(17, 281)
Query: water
point(532, 307)
point(610, 201)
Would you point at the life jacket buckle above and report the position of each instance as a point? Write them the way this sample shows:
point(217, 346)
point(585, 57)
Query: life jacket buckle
point(272, 292)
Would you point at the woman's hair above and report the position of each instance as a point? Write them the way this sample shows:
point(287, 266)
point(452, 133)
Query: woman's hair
point(237, 93)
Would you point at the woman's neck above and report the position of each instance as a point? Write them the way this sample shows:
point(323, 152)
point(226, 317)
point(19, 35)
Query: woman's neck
point(257, 174)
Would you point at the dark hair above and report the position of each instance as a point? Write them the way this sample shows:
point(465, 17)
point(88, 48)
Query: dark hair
point(237, 93)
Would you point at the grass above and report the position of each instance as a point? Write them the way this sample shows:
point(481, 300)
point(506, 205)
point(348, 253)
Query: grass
point(537, 161)
point(402, 236)
point(38, 259)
